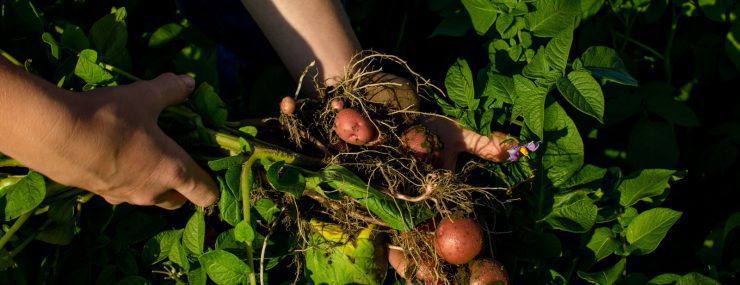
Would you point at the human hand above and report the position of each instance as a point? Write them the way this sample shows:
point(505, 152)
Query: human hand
point(107, 141)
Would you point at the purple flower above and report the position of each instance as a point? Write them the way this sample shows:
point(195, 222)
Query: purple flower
point(514, 153)
point(532, 146)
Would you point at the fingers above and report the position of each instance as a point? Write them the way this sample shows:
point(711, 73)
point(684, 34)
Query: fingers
point(171, 200)
point(187, 178)
point(169, 89)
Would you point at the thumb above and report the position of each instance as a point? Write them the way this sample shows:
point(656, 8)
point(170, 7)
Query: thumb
point(170, 89)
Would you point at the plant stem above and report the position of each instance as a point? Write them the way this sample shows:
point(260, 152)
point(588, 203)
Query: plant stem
point(639, 44)
point(10, 58)
point(121, 72)
point(264, 150)
point(14, 228)
point(247, 181)
point(9, 162)
point(669, 46)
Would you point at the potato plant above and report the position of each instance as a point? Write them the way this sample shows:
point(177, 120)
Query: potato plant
point(572, 113)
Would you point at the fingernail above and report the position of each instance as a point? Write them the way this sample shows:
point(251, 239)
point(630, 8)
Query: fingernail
point(189, 81)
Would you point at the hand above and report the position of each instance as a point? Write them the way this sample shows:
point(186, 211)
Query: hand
point(107, 141)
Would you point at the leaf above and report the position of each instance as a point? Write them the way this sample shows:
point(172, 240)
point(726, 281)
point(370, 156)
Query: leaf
point(498, 87)
point(589, 173)
point(158, 247)
point(359, 260)
point(89, 70)
point(243, 232)
point(23, 196)
point(716, 10)
point(74, 38)
point(674, 111)
point(562, 147)
point(530, 104)
point(179, 256)
point(552, 16)
point(558, 50)
point(572, 212)
point(643, 184)
point(539, 67)
point(455, 25)
point(228, 206)
point(482, 14)
point(250, 131)
point(584, 93)
point(606, 277)
point(459, 84)
point(652, 145)
point(664, 279)
point(226, 162)
point(602, 243)
point(224, 268)
point(197, 276)
point(648, 229)
point(53, 45)
point(267, 210)
point(206, 102)
point(165, 34)
point(286, 178)
point(194, 235)
point(604, 63)
point(109, 35)
point(590, 8)
point(694, 278)
point(732, 44)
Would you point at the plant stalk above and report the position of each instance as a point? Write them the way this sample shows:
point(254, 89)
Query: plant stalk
point(14, 228)
point(246, 183)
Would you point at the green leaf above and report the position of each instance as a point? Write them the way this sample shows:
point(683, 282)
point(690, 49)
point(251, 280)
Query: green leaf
point(590, 8)
point(530, 104)
point(250, 131)
point(226, 162)
point(643, 184)
point(498, 87)
point(606, 277)
point(572, 212)
point(53, 45)
point(732, 44)
point(228, 206)
point(552, 16)
point(360, 261)
point(648, 229)
point(558, 50)
point(133, 280)
point(109, 35)
point(267, 210)
point(509, 25)
point(482, 14)
point(243, 232)
point(674, 111)
point(716, 10)
point(459, 84)
point(61, 227)
point(206, 102)
point(588, 174)
point(562, 147)
point(165, 34)
point(602, 243)
point(89, 70)
point(584, 93)
point(23, 196)
point(74, 38)
point(179, 255)
point(664, 279)
point(194, 235)
point(286, 178)
point(158, 247)
point(197, 276)
point(539, 67)
point(224, 268)
point(694, 278)
point(604, 63)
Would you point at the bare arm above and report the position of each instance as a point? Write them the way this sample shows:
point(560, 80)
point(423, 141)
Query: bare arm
point(305, 30)
point(106, 140)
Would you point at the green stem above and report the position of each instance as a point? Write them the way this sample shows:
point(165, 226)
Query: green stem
point(10, 58)
point(9, 162)
point(264, 150)
point(669, 46)
point(14, 228)
point(121, 72)
point(639, 44)
point(247, 181)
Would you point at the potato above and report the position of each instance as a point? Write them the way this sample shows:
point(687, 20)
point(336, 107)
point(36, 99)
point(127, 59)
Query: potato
point(337, 104)
point(458, 240)
point(488, 272)
point(353, 128)
point(420, 141)
point(399, 262)
point(396, 96)
point(287, 105)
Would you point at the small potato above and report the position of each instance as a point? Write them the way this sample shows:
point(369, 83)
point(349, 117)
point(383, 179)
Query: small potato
point(459, 240)
point(488, 272)
point(337, 104)
point(420, 141)
point(287, 105)
point(353, 128)
point(399, 262)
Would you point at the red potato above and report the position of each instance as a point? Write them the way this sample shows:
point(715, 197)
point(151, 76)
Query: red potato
point(337, 104)
point(399, 262)
point(353, 128)
point(419, 141)
point(488, 272)
point(287, 105)
point(458, 241)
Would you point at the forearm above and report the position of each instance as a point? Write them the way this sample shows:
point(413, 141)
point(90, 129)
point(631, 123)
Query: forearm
point(305, 30)
point(32, 110)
